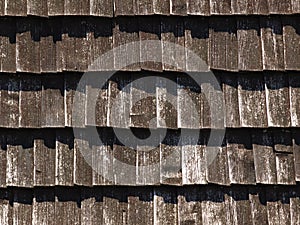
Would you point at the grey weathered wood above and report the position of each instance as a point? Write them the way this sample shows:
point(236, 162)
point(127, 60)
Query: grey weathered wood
point(15, 7)
point(193, 159)
point(83, 172)
point(56, 7)
point(240, 158)
point(165, 206)
point(30, 101)
point(170, 159)
point(249, 7)
point(179, 7)
point(44, 159)
point(37, 7)
point(223, 44)
point(19, 160)
point(22, 207)
point(258, 206)
point(231, 100)
point(28, 46)
point(294, 86)
point(126, 44)
point(6, 209)
point(43, 207)
point(10, 87)
point(252, 101)
point(74, 111)
point(285, 169)
point(150, 51)
point(220, 7)
point(295, 208)
point(8, 45)
point(278, 101)
point(295, 6)
point(291, 39)
point(73, 7)
point(296, 148)
point(264, 158)
point(53, 108)
point(119, 102)
point(140, 207)
point(3, 160)
point(249, 44)
point(197, 42)
point(144, 7)
point(125, 7)
point(172, 36)
point(102, 8)
point(161, 7)
point(91, 207)
point(198, 7)
point(64, 158)
point(272, 43)
point(282, 7)
point(189, 100)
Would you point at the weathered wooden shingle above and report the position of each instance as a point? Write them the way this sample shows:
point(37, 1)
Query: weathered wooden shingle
point(43, 207)
point(123, 8)
point(56, 7)
point(102, 8)
point(161, 7)
point(15, 7)
point(294, 91)
point(179, 7)
point(22, 207)
point(73, 7)
point(144, 7)
point(37, 7)
point(198, 7)
point(220, 7)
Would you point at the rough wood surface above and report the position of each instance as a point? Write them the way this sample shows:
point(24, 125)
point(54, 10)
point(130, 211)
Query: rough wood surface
point(198, 7)
point(102, 8)
point(15, 7)
point(161, 7)
point(220, 7)
point(250, 7)
point(3, 160)
point(258, 206)
point(56, 7)
point(294, 99)
point(37, 7)
point(285, 169)
point(73, 7)
point(22, 210)
point(123, 8)
point(43, 208)
point(179, 7)
point(144, 7)
point(296, 151)
point(280, 7)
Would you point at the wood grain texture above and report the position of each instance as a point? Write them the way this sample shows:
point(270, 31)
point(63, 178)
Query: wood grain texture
point(22, 210)
point(294, 99)
point(53, 108)
point(278, 101)
point(161, 7)
point(296, 151)
point(43, 207)
point(44, 159)
point(272, 43)
point(37, 8)
point(258, 202)
point(6, 209)
point(123, 8)
point(264, 158)
point(30, 101)
point(56, 7)
point(285, 169)
point(220, 7)
point(15, 7)
point(252, 101)
point(73, 7)
point(248, 7)
point(277, 7)
point(198, 7)
point(20, 163)
point(179, 7)
point(3, 160)
point(102, 8)
point(144, 7)
point(249, 42)
point(91, 207)
point(64, 158)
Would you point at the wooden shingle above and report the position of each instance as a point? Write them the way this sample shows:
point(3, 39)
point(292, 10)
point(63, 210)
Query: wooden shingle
point(102, 8)
point(161, 7)
point(294, 91)
point(3, 160)
point(198, 7)
point(220, 7)
point(43, 207)
point(144, 7)
point(15, 7)
point(73, 7)
point(37, 7)
point(22, 210)
point(179, 7)
point(56, 7)
point(123, 8)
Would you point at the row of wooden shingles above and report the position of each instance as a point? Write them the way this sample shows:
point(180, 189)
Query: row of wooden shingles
point(110, 8)
point(116, 205)
point(164, 100)
point(48, 158)
point(73, 44)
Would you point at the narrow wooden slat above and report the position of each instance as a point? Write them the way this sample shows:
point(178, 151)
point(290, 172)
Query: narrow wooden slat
point(74, 111)
point(102, 8)
point(296, 149)
point(3, 160)
point(278, 101)
point(43, 207)
point(10, 87)
point(30, 101)
point(172, 36)
point(44, 159)
point(295, 208)
point(19, 160)
point(199, 7)
point(223, 44)
point(22, 207)
point(56, 7)
point(150, 51)
point(64, 159)
point(28, 46)
point(258, 202)
point(272, 43)
point(8, 45)
point(73, 7)
point(231, 97)
point(252, 101)
point(161, 7)
point(6, 209)
point(282, 7)
point(249, 42)
point(189, 103)
point(179, 7)
point(15, 7)
point(220, 7)
point(294, 84)
point(285, 169)
point(144, 7)
point(291, 39)
point(197, 42)
point(67, 207)
point(170, 159)
point(249, 7)
point(264, 158)
point(91, 206)
point(83, 172)
point(126, 44)
point(127, 8)
point(240, 158)
point(37, 7)
point(53, 109)
point(165, 206)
